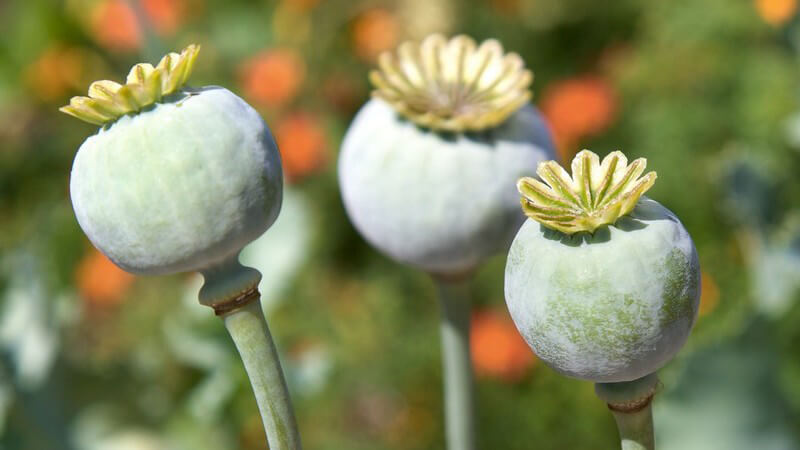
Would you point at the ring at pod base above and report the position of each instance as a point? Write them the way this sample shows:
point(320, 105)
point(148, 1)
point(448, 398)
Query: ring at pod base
point(180, 179)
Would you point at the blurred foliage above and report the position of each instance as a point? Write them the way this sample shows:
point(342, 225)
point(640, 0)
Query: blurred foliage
point(91, 358)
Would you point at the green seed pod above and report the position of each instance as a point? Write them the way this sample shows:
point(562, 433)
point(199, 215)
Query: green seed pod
point(181, 180)
point(176, 179)
point(427, 168)
point(602, 284)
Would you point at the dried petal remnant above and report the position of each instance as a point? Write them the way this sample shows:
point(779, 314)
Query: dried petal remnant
point(596, 194)
point(145, 85)
point(452, 85)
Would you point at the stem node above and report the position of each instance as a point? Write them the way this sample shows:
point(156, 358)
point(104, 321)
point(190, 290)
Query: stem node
point(630, 402)
point(232, 291)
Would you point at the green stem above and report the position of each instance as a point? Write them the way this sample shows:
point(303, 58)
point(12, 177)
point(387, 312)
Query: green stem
point(250, 333)
point(636, 429)
point(457, 365)
point(630, 402)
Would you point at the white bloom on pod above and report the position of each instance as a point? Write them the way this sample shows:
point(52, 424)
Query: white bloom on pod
point(428, 166)
point(181, 179)
point(177, 179)
point(602, 283)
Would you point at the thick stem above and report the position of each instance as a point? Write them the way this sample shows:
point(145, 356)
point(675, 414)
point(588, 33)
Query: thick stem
point(636, 429)
point(457, 365)
point(232, 290)
point(250, 333)
point(630, 402)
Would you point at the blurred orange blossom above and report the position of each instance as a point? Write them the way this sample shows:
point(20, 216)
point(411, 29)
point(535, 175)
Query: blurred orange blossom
point(272, 77)
point(55, 72)
point(776, 12)
point(374, 31)
point(99, 281)
point(497, 348)
point(302, 142)
point(576, 108)
point(165, 15)
point(114, 26)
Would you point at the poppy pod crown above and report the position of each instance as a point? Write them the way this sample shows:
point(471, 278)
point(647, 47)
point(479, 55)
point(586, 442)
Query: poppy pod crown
point(596, 194)
point(145, 85)
point(453, 85)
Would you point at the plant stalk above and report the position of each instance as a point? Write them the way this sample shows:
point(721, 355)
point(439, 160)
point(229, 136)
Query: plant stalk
point(250, 333)
point(636, 429)
point(457, 364)
point(630, 403)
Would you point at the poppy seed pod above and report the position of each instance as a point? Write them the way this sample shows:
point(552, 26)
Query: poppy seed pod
point(177, 179)
point(602, 283)
point(181, 179)
point(428, 166)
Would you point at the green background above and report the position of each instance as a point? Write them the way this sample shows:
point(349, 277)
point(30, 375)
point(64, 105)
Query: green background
point(706, 91)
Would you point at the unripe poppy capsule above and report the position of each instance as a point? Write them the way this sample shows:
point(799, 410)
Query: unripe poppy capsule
point(177, 179)
point(428, 166)
point(602, 283)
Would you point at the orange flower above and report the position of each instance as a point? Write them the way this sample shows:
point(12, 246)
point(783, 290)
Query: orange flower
point(576, 108)
point(100, 281)
point(272, 77)
point(776, 12)
point(165, 15)
point(302, 142)
point(497, 348)
point(55, 72)
point(709, 294)
point(373, 32)
point(114, 26)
